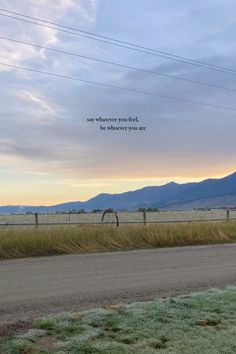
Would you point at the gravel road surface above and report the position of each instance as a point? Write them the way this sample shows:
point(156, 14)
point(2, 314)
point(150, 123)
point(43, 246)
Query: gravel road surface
point(36, 286)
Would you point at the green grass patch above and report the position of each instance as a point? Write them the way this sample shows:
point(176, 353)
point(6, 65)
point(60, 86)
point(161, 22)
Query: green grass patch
point(203, 322)
point(28, 242)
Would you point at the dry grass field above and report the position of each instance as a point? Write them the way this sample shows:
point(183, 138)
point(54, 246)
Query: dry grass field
point(16, 242)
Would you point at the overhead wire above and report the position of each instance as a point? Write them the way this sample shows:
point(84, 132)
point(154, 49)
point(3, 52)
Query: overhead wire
point(118, 43)
point(169, 76)
point(117, 40)
point(118, 87)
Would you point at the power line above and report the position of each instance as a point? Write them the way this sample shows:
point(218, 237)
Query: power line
point(118, 64)
point(119, 87)
point(119, 41)
point(134, 48)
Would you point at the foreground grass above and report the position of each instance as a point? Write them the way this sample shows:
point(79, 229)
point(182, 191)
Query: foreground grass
point(26, 242)
point(201, 323)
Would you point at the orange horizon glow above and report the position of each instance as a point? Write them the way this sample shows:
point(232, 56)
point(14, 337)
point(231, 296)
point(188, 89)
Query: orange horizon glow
point(51, 193)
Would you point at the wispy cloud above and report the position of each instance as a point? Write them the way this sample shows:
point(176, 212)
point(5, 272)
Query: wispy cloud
point(37, 100)
point(56, 11)
point(43, 125)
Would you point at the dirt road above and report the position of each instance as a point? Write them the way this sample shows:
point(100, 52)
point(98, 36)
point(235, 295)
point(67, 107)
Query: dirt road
point(36, 286)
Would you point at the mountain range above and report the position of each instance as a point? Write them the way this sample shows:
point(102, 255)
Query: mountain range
point(209, 193)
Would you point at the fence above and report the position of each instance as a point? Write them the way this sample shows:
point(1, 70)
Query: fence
point(117, 218)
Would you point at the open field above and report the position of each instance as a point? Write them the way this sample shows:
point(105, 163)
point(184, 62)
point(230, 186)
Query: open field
point(29, 241)
point(203, 322)
point(192, 215)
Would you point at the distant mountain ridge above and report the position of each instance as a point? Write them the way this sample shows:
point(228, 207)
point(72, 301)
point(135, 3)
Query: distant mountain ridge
point(207, 193)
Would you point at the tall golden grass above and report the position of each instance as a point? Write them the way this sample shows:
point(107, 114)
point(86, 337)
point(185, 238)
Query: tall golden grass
point(27, 242)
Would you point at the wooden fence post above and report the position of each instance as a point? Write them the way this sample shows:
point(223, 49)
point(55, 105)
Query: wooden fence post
point(36, 218)
point(144, 218)
point(117, 220)
point(69, 217)
point(227, 214)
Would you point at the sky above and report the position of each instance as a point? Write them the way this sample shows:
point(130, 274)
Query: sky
point(50, 153)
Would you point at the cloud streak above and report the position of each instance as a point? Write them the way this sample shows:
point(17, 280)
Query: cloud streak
point(43, 127)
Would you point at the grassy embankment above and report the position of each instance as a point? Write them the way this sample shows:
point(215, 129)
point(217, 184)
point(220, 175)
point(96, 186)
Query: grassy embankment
point(26, 242)
point(200, 323)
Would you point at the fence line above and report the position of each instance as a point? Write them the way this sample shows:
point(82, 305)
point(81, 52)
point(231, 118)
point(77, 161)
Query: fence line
point(117, 222)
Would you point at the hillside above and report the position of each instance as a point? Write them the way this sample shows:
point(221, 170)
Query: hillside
point(208, 193)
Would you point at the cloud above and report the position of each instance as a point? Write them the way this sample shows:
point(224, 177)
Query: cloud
point(182, 139)
point(37, 100)
point(52, 11)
